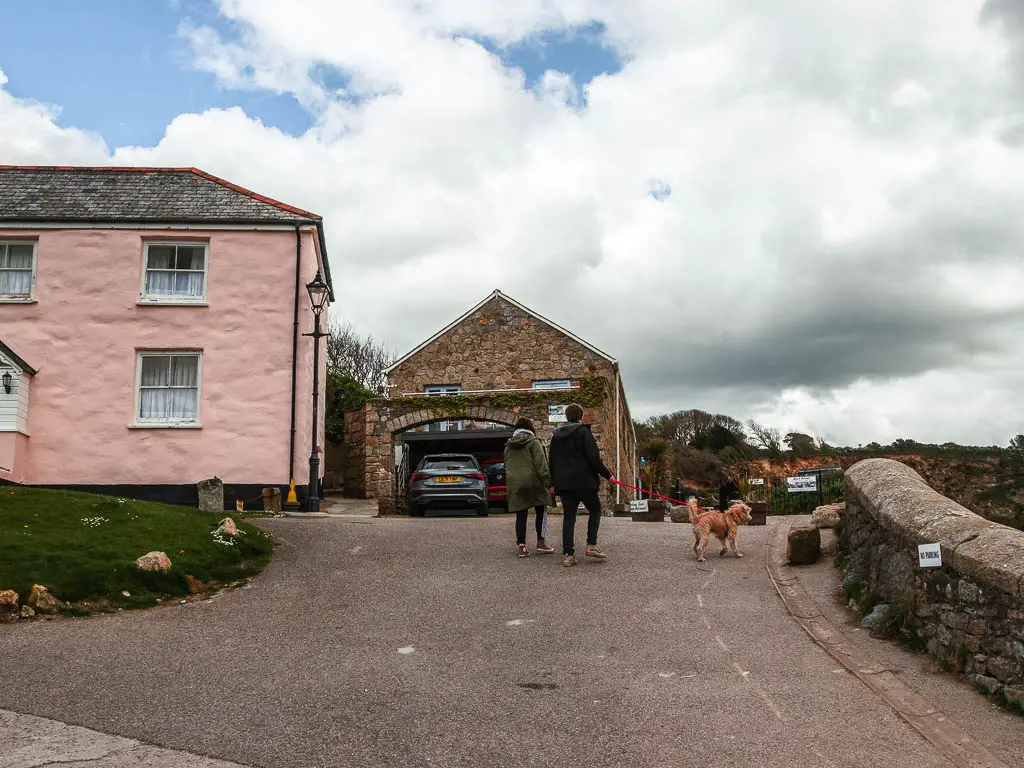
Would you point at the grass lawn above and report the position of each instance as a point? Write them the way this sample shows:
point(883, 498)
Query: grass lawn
point(83, 547)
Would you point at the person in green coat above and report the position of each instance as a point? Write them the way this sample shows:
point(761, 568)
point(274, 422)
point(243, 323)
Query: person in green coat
point(528, 480)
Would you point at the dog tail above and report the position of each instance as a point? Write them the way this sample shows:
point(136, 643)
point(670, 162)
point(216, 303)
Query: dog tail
point(694, 511)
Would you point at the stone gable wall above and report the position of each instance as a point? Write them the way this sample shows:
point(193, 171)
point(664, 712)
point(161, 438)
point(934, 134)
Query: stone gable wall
point(970, 611)
point(497, 347)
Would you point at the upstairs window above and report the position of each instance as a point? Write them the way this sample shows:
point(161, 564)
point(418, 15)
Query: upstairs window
point(175, 272)
point(553, 384)
point(443, 426)
point(168, 389)
point(17, 271)
point(442, 389)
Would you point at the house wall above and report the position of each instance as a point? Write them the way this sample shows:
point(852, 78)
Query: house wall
point(83, 333)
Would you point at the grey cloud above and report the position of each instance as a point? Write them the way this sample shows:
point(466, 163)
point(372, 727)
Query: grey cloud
point(873, 310)
point(1010, 12)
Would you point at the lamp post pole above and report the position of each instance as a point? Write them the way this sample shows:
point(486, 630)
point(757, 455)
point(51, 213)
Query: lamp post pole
point(318, 293)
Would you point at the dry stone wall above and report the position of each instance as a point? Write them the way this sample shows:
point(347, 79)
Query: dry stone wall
point(969, 611)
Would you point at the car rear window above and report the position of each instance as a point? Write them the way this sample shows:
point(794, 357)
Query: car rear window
point(452, 463)
point(493, 470)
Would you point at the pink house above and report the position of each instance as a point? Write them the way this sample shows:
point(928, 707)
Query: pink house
point(151, 325)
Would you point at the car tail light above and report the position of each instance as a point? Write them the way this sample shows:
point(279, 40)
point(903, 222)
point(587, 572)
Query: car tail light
point(414, 478)
point(476, 476)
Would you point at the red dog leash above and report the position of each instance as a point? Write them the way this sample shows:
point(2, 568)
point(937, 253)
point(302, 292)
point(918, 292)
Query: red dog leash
point(652, 493)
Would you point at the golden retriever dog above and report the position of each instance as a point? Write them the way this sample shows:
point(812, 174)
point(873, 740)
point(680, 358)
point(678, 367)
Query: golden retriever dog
point(723, 525)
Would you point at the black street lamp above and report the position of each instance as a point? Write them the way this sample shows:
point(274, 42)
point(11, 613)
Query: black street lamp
point(319, 296)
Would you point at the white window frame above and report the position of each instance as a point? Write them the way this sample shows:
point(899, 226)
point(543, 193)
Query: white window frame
point(440, 390)
point(175, 298)
point(552, 384)
point(20, 298)
point(138, 421)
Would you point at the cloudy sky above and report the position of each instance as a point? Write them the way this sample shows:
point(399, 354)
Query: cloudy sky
point(808, 213)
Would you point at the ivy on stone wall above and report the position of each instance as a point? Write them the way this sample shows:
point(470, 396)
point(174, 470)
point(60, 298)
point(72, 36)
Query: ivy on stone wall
point(591, 393)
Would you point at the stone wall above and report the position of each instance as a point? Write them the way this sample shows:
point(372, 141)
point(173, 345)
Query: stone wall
point(354, 482)
point(335, 461)
point(620, 463)
point(497, 347)
point(969, 612)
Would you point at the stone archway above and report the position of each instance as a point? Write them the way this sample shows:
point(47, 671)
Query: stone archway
point(382, 420)
point(418, 418)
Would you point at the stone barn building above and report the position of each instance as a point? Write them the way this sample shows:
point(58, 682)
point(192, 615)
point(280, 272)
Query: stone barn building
point(461, 390)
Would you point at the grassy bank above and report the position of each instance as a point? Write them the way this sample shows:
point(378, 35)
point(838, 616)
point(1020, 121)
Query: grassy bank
point(83, 547)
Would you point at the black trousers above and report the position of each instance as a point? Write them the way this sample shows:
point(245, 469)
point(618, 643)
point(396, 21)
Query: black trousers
point(521, 516)
point(570, 501)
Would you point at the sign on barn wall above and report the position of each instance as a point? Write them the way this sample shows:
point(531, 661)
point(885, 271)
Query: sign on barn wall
point(556, 414)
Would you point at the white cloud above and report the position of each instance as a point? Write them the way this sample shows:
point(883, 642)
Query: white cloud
point(29, 135)
point(839, 252)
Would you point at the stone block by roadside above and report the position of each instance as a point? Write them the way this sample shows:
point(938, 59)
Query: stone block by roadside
point(272, 500)
point(828, 515)
point(679, 513)
point(211, 495)
point(803, 545)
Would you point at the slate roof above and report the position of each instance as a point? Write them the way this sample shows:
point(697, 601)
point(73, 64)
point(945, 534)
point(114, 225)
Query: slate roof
point(126, 195)
point(54, 193)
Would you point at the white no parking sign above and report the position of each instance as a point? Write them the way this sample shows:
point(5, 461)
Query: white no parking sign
point(929, 556)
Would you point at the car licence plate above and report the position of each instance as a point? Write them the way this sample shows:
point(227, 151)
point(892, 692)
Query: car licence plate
point(448, 479)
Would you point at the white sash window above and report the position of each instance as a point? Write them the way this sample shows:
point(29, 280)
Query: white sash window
point(168, 389)
point(175, 272)
point(17, 270)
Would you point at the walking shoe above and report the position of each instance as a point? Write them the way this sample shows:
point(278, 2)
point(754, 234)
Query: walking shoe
point(570, 560)
point(543, 548)
point(593, 551)
point(523, 551)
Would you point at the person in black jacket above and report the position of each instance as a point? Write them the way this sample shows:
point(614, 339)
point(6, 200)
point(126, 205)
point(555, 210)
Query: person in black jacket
point(728, 493)
point(576, 472)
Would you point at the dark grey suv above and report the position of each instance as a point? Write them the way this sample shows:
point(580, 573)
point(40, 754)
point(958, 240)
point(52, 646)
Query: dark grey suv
point(448, 480)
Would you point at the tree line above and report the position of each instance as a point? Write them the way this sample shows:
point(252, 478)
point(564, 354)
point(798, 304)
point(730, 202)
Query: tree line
point(355, 374)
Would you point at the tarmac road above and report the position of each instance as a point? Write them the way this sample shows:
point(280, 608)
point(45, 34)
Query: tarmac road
point(426, 642)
